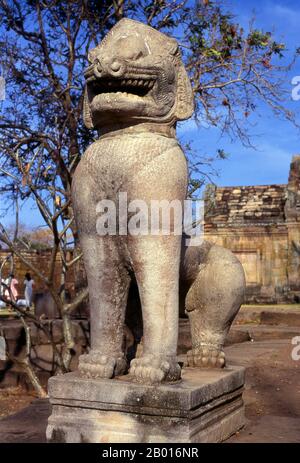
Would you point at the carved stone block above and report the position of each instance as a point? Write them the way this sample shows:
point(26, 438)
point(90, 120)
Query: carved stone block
point(206, 406)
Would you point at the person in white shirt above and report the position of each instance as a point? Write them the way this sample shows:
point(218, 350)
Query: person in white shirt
point(28, 282)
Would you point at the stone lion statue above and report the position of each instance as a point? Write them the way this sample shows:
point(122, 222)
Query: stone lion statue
point(136, 90)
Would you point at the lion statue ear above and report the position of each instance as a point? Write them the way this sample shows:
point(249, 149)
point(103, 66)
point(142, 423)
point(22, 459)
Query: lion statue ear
point(87, 115)
point(185, 97)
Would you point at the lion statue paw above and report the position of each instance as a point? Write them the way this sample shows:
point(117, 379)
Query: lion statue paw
point(97, 365)
point(206, 357)
point(155, 369)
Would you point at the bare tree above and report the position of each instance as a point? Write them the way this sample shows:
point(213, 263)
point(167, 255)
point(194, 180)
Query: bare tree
point(43, 49)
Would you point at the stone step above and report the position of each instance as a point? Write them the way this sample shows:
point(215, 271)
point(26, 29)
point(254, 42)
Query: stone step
point(280, 318)
point(241, 333)
point(269, 332)
point(288, 315)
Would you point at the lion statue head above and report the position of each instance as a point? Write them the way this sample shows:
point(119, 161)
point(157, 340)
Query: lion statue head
point(136, 75)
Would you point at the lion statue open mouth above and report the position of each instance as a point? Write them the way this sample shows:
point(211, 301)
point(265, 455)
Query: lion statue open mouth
point(136, 90)
point(136, 75)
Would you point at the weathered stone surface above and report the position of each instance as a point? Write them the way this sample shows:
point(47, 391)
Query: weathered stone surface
point(136, 91)
point(206, 406)
point(212, 301)
point(137, 88)
point(261, 225)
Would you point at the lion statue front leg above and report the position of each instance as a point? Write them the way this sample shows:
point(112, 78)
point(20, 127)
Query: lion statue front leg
point(216, 283)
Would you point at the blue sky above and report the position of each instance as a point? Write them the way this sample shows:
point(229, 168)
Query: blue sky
point(276, 140)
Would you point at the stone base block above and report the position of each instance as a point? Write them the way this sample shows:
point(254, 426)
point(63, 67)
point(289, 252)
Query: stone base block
point(205, 406)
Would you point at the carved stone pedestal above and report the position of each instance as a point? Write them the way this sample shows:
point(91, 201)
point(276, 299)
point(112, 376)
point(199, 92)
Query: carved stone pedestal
point(206, 406)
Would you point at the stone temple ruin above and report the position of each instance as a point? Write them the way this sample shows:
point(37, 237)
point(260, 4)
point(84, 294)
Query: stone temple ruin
point(261, 225)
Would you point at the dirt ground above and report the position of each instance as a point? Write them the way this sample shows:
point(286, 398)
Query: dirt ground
point(14, 399)
point(272, 395)
point(273, 386)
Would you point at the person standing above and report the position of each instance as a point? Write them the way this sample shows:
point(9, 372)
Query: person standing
point(14, 288)
point(28, 282)
point(7, 283)
point(11, 288)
